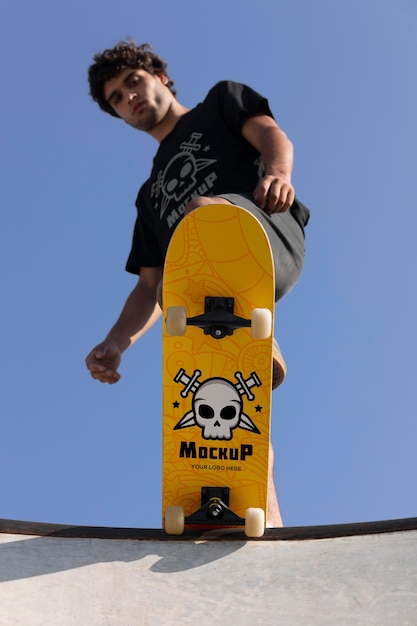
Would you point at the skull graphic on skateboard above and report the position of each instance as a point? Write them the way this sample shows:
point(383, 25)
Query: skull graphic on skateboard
point(218, 309)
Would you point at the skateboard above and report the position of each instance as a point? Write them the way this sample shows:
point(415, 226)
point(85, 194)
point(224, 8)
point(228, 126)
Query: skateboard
point(218, 311)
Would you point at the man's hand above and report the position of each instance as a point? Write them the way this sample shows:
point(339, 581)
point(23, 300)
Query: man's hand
point(103, 362)
point(139, 313)
point(274, 194)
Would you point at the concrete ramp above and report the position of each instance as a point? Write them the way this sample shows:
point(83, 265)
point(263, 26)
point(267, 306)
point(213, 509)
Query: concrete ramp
point(327, 575)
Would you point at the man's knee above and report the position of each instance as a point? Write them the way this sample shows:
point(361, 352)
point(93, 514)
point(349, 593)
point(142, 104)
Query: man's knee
point(195, 203)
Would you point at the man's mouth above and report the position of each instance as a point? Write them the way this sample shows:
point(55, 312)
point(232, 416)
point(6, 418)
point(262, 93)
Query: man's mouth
point(138, 108)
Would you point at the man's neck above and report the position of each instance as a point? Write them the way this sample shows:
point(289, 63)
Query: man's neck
point(162, 130)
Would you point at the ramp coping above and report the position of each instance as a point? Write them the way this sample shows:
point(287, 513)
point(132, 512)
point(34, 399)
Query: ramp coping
point(294, 533)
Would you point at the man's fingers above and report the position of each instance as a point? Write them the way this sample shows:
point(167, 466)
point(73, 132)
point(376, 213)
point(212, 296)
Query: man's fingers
point(280, 197)
point(281, 203)
point(104, 375)
point(274, 194)
point(261, 193)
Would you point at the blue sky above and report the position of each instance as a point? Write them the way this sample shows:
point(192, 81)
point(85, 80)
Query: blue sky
point(340, 79)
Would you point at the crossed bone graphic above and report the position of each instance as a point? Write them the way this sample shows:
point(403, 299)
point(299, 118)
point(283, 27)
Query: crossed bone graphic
point(217, 406)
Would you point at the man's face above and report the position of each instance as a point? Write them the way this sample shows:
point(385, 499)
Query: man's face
point(141, 99)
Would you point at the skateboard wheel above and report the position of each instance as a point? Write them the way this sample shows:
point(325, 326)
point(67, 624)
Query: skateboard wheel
point(261, 323)
point(254, 522)
point(176, 320)
point(174, 520)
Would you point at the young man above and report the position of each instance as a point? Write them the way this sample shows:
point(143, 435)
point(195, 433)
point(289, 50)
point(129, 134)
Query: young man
point(228, 149)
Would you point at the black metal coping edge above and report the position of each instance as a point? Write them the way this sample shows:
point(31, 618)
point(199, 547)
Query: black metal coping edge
point(295, 533)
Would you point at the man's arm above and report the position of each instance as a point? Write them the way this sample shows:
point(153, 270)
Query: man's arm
point(139, 313)
point(274, 193)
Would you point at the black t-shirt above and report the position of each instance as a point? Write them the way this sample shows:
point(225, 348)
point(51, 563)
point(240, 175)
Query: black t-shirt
point(205, 154)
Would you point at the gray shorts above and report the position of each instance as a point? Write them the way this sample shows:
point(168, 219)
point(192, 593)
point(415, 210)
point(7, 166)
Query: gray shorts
point(286, 236)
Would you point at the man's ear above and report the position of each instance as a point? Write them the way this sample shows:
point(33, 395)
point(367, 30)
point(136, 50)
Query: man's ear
point(162, 77)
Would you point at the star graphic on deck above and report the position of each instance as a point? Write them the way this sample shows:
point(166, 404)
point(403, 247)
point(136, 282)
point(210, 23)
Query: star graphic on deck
point(176, 404)
point(197, 289)
point(258, 408)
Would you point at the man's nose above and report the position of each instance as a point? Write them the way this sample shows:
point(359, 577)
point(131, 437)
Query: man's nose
point(131, 96)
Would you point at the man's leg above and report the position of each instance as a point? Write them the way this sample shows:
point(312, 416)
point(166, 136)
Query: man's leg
point(274, 519)
point(195, 203)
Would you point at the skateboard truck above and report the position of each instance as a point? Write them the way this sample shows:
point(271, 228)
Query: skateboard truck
point(215, 508)
point(218, 319)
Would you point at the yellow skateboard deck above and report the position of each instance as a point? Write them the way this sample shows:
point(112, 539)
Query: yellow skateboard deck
point(216, 375)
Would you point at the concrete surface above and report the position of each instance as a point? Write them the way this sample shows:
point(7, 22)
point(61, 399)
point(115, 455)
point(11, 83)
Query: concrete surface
point(356, 574)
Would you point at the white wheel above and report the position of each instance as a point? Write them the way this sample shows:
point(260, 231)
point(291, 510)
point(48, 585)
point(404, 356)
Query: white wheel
point(254, 522)
point(176, 320)
point(174, 520)
point(261, 323)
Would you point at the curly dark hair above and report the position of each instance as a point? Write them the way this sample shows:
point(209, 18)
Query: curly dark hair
point(110, 63)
